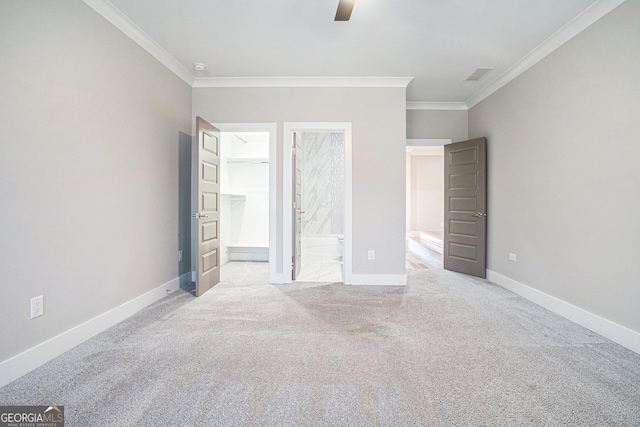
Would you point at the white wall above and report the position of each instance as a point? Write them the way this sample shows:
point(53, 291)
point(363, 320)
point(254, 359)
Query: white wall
point(91, 126)
point(564, 181)
point(427, 192)
point(379, 133)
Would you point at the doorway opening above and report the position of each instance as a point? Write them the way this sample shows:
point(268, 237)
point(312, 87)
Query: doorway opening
point(425, 203)
point(321, 205)
point(246, 195)
point(317, 202)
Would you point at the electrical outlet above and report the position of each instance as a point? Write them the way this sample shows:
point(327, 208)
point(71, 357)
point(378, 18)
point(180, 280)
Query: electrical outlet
point(37, 306)
point(180, 255)
point(513, 257)
point(371, 255)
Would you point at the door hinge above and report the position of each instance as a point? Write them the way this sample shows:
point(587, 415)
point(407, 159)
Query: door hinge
point(293, 151)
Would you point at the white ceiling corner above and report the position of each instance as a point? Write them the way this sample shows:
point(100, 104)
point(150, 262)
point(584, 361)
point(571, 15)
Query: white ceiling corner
point(560, 37)
point(135, 33)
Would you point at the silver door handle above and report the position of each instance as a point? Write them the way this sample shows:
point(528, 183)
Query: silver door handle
point(479, 215)
point(199, 215)
point(301, 212)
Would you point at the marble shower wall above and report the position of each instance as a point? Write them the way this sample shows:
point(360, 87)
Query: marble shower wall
point(322, 182)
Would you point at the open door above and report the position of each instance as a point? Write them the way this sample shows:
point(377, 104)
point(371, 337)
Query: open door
point(297, 205)
point(208, 215)
point(465, 202)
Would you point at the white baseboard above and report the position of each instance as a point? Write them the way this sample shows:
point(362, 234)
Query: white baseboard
point(248, 253)
point(617, 333)
point(23, 363)
point(279, 278)
point(224, 258)
point(245, 256)
point(353, 279)
point(376, 279)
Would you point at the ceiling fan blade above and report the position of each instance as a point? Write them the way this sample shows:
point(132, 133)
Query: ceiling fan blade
point(344, 10)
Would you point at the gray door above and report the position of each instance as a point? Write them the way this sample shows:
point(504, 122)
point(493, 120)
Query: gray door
point(465, 202)
point(296, 208)
point(208, 215)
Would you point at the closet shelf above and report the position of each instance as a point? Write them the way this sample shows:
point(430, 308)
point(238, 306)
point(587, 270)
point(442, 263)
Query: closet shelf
point(248, 160)
point(233, 197)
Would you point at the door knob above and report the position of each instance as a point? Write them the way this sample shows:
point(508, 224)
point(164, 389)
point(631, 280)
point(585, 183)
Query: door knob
point(199, 215)
point(479, 215)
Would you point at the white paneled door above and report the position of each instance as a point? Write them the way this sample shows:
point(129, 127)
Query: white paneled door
point(208, 214)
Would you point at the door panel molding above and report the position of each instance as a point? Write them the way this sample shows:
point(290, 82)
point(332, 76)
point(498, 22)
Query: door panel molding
point(465, 204)
point(207, 213)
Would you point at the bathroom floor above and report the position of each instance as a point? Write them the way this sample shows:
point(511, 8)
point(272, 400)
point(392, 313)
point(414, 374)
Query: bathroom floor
point(321, 260)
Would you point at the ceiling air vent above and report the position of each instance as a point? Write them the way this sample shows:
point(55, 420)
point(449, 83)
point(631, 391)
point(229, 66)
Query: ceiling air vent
point(478, 74)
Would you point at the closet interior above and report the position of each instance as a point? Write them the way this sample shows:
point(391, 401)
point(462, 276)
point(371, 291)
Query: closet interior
point(244, 196)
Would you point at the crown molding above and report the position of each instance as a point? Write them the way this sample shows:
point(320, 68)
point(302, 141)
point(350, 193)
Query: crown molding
point(574, 27)
point(455, 106)
point(302, 82)
point(560, 37)
point(124, 24)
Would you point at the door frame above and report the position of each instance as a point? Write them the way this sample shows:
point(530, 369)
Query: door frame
point(287, 199)
point(271, 128)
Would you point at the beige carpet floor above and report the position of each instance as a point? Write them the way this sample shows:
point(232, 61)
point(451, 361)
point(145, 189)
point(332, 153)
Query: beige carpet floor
point(446, 350)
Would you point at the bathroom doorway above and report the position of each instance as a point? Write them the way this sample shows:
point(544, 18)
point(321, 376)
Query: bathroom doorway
point(318, 202)
point(321, 205)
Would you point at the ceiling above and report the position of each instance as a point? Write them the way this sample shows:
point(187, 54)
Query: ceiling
point(438, 42)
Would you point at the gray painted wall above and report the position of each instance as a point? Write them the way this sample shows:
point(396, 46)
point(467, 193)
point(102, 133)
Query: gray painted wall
point(90, 127)
point(379, 133)
point(564, 180)
point(436, 124)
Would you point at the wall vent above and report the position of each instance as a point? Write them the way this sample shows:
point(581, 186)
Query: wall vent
point(478, 74)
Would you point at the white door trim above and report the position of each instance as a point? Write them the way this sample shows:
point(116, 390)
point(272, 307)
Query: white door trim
point(273, 163)
point(424, 142)
point(287, 182)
